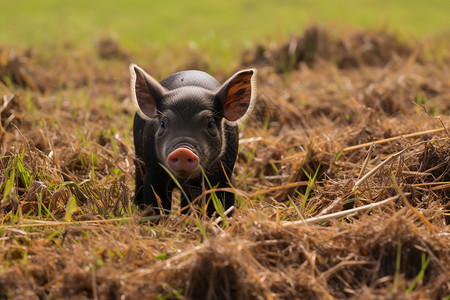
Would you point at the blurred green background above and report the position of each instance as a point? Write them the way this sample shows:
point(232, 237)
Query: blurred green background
point(225, 25)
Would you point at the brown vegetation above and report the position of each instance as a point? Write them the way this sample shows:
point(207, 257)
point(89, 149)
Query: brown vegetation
point(321, 213)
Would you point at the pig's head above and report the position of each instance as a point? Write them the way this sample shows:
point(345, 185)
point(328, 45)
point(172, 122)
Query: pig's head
point(191, 117)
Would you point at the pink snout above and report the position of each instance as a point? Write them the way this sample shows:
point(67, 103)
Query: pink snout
point(182, 160)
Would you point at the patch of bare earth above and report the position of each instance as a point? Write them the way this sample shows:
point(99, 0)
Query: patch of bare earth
point(343, 180)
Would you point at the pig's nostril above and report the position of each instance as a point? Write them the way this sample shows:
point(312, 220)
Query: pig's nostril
point(183, 160)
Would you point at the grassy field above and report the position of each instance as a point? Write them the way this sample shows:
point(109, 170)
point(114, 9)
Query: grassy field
point(220, 25)
point(219, 30)
point(343, 176)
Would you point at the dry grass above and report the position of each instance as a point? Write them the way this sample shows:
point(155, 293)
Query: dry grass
point(318, 216)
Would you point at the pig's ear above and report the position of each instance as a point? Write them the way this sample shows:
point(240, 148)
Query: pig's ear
point(146, 92)
point(237, 94)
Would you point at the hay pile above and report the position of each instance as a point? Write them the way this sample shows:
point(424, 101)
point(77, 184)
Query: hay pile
point(343, 181)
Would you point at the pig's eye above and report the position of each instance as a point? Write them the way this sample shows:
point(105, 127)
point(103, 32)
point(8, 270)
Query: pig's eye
point(162, 124)
point(211, 127)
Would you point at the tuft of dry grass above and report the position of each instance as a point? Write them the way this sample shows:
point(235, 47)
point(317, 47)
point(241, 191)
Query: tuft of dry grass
point(342, 180)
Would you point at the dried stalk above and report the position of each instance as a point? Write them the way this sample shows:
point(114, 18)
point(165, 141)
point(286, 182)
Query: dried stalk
point(374, 170)
point(341, 214)
point(396, 138)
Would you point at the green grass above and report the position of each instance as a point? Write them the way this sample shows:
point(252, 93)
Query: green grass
point(221, 26)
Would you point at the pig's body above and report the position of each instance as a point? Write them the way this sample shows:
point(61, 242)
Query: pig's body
point(186, 124)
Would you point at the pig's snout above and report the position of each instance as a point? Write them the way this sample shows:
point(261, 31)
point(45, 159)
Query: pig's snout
point(182, 161)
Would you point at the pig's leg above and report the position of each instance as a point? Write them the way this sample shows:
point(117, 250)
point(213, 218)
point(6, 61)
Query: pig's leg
point(139, 192)
point(227, 199)
point(184, 205)
point(192, 191)
point(155, 186)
